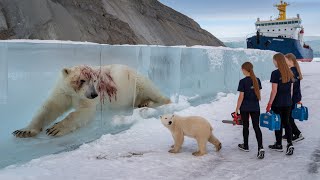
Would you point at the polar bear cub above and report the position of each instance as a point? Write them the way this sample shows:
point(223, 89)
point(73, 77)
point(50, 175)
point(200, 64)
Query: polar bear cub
point(192, 126)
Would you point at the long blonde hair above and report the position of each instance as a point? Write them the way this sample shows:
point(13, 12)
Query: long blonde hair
point(286, 73)
point(292, 57)
point(249, 67)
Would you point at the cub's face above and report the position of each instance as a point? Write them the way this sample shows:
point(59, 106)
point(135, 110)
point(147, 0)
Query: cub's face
point(81, 81)
point(167, 120)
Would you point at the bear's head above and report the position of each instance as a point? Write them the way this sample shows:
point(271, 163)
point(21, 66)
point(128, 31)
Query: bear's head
point(81, 81)
point(167, 120)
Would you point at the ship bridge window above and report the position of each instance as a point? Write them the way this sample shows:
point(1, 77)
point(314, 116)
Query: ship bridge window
point(296, 21)
point(281, 22)
point(273, 30)
point(279, 29)
point(290, 22)
point(268, 30)
point(273, 23)
point(285, 22)
point(285, 29)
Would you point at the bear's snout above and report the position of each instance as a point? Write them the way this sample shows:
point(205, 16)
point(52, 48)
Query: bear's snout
point(93, 95)
point(170, 122)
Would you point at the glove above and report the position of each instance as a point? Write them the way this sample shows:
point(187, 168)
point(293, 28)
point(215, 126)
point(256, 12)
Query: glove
point(268, 108)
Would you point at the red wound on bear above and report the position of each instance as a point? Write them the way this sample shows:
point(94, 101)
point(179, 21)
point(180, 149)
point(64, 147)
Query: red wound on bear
point(106, 86)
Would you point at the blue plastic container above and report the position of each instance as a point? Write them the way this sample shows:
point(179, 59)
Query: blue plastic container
point(300, 113)
point(270, 120)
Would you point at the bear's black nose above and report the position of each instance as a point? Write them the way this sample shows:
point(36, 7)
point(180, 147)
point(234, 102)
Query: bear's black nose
point(170, 122)
point(93, 95)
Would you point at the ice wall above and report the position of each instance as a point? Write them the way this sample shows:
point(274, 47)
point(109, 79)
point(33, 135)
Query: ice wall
point(3, 74)
point(28, 70)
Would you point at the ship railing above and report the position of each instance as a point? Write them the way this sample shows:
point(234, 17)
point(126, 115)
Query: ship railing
point(275, 34)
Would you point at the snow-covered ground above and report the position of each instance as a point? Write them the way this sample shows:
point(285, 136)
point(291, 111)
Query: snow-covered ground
point(141, 151)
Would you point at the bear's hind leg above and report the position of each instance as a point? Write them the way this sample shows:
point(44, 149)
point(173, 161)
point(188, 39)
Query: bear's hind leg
point(213, 140)
point(153, 94)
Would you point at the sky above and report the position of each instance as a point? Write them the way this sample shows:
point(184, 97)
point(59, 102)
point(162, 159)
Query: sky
point(236, 18)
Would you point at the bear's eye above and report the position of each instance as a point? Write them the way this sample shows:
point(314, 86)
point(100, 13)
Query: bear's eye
point(170, 122)
point(82, 81)
point(94, 81)
point(165, 118)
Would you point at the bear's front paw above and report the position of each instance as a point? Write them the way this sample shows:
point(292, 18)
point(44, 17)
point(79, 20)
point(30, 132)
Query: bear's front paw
point(57, 130)
point(198, 153)
point(25, 133)
point(173, 151)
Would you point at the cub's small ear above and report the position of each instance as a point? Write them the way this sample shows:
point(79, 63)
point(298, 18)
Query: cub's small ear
point(66, 71)
point(172, 116)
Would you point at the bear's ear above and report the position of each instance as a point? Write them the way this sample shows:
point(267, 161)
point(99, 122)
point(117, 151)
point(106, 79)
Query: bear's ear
point(66, 71)
point(172, 116)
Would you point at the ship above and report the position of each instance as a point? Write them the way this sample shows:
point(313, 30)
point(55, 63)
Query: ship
point(284, 35)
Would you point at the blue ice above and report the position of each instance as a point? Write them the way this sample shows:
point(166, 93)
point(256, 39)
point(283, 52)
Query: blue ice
point(28, 70)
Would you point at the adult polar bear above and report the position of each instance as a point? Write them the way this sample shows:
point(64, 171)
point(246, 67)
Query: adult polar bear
point(83, 88)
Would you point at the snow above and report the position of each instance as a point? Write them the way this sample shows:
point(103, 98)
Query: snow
point(141, 151)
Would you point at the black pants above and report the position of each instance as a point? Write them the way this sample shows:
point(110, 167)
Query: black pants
point(255, 122)
point(285, 113)
point(295, 130)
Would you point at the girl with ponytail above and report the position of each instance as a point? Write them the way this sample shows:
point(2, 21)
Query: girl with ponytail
point(248, 103)
point(296, 96)
point(280, 101)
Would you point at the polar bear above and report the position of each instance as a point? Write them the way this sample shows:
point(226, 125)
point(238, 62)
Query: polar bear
point(192, 126)
point(82, 88)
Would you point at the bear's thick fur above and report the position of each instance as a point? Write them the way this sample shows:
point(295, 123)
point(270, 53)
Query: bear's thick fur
point(83, 88)
point(192, 126)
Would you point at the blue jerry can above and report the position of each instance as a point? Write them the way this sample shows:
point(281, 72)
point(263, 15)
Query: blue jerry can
point(270, 120)
point(300, 113)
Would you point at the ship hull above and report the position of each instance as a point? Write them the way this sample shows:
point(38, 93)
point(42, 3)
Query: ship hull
point(283, 45)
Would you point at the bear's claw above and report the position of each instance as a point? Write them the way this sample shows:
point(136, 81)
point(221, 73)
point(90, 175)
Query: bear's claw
point(198, 153)
point(56, 130)
point(24, 134)
point(173, 151)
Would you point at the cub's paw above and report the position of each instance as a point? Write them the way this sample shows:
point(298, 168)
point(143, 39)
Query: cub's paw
point(218, 148)
point(173, 151)
point(58, 129)
point(198, 153)
point(25, 133)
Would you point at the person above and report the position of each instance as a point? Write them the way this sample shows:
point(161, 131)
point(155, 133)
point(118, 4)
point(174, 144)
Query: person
point(280, 101)
point(293, 64)
point(248, 103)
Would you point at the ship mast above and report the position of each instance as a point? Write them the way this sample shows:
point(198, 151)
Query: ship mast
point(282, 7)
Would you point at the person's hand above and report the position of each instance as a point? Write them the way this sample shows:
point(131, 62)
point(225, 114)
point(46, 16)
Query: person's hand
point(299, 102)
point(268, 108)
point(234, 115)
